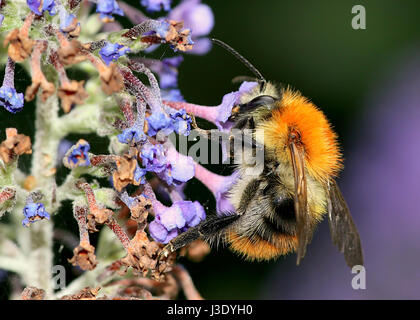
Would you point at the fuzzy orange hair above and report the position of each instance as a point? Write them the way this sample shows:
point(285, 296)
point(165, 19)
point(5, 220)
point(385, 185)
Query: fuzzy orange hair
point(322, 155)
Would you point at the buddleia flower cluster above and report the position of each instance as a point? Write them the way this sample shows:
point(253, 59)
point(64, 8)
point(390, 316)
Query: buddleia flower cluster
point(118, 194)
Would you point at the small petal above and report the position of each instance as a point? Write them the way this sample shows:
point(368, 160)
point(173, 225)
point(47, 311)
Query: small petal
point(11, 100)
point(171, 218)
point(34, 212)
point(153, 157)
point(108, 7)
point(181, 122)
point(159, 121)
point(39, 6)
point(158, 231)
point(78, 155)
point(140, 175)
point(131, 135)
point(112, 52)
point(156, 5)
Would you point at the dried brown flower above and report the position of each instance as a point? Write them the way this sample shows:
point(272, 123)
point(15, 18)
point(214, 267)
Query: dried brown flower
point(71, 92)
point(111, 78)
point(69, 51)
point(20, 45)
point(14, 145)
point(33, 293)
point(143, 257)
point(84, 256)
point(85, 294)
point(124, 175)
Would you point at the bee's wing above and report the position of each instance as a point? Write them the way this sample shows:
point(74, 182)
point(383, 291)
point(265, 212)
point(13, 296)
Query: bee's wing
point(343, 230)
point(304, 227)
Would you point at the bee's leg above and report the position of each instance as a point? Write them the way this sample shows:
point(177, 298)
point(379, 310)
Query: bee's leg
point(208, 229)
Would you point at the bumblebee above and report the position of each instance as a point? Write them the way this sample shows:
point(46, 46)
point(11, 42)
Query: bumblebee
point(277, 210)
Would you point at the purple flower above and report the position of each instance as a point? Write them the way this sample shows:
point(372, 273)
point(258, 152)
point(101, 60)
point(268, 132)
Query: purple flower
point(159, 121)
point(39, 6)
point(10, 99)
point(78, 155)
point(172, 221)
point(66, 19)
point(172, 95)
point(228, 102)
point(193, 213)
point(140, 175)
point(168, 77)
point(63, 147)
point(181, 122)
point(153, 157)
point(34, 212)
point(108, 7)
point(1, 19)
point(111, 52)
point(196, 16)
point(156, 5)
point(133, 134)
point(179, 168)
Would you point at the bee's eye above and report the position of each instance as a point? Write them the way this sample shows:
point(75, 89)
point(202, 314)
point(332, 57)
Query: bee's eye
point(257, 102)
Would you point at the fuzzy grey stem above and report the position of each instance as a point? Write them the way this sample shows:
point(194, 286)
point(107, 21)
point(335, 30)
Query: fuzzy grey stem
point(40, 257)
point(9, 74)
point(145, 26)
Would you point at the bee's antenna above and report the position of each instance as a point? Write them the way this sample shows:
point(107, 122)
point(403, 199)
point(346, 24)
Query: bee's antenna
point(238, 56)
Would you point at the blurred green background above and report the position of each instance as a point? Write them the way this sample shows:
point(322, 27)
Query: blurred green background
point(307, 44)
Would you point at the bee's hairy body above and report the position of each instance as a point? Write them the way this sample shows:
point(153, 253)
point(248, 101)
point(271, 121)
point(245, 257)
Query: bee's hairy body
point(277, 207)
point(266, 227)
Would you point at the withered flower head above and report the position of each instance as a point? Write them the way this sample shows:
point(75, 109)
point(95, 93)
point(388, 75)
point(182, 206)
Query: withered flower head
point(99, 216)
point(20, 45)
point(111, 78)
point(69, 52)
point(140, 208)
point(143, 257)
point(71, 92)
point(84, 256)
point(33, 293)
point(14, 145)
point(171, 32)
point(124, 175)
point(47, 90)
point(85, 294)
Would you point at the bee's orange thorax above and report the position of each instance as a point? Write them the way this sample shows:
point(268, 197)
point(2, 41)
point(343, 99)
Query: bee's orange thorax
point(322, 155)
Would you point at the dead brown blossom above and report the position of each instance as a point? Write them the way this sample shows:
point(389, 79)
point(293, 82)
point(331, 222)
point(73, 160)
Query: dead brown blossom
point(33, 293)
point(143, 257)
point(69, 51)
point(14, 145)
point(176, 36)
point(20, 45)
point(112, 80)
point(84, 256)
point(124, 175)
point(73, 29)
point(71, 92)
point(38, 78)
point(85, 294)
